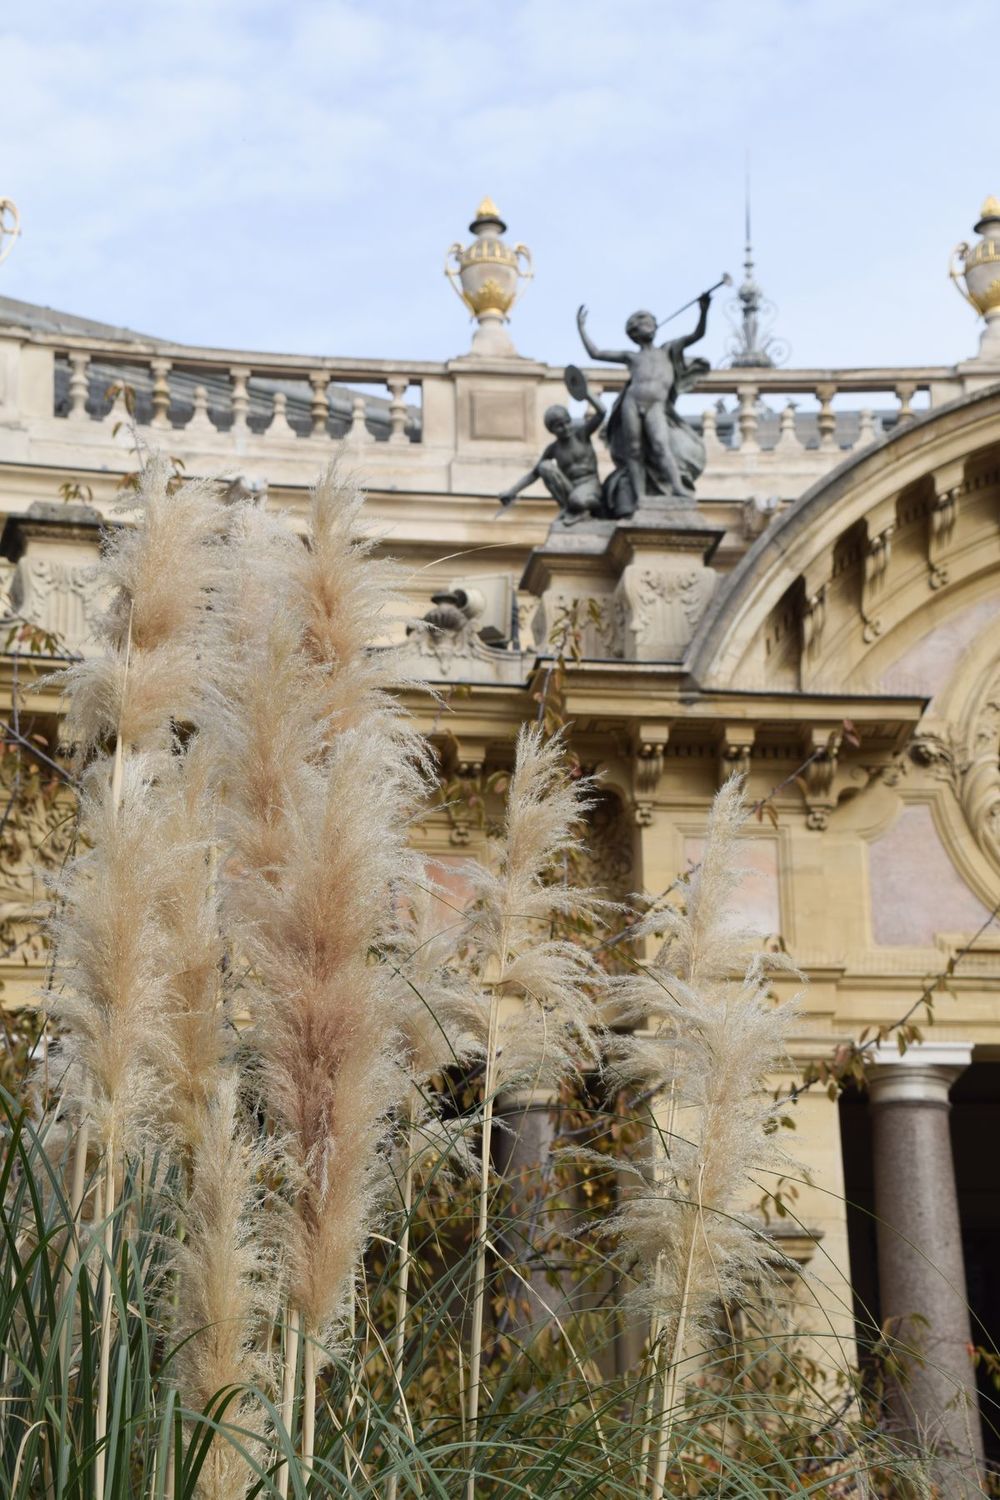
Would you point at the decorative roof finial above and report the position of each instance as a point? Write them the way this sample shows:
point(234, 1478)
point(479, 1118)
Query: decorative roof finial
point(978, 266)
point(753, 345)
point(488, 275)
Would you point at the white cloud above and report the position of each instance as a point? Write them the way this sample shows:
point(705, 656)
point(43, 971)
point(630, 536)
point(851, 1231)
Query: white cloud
point(288, 174)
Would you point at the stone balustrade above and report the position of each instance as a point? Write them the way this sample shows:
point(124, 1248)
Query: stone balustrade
point(461, 426)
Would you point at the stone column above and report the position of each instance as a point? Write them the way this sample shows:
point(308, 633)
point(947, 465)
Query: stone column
point(921, 1269)
point(524, 1148)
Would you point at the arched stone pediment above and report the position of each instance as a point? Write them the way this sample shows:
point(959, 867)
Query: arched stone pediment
point(897, 539)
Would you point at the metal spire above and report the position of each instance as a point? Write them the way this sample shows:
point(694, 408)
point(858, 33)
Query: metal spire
point(752, 345)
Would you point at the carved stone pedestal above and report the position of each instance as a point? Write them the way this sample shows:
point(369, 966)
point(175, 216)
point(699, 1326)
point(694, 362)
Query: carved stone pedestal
point(50, 553)
point(636, 588)
point(574, 581)
point(661, 557)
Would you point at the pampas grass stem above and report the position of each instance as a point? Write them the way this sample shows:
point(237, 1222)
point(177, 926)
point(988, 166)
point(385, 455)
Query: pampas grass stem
point(482, 1225)
point(309, 1376)
point(289, 1371)
point(108, 1203)
point(672, 1360)
point(403, 1279)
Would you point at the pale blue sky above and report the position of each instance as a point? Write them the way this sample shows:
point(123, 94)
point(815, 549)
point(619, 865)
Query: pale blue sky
point(287, 174)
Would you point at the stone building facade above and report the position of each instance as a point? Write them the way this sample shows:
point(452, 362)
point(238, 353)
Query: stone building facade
point(830, 626)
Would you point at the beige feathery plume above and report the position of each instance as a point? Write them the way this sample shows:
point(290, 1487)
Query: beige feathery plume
point(347, 597)
point(114, 958)
point(112, 966)
point(159, 574)
point(430, 988)
point(710, 1041)
point(552, 1029)
point(193, 1042)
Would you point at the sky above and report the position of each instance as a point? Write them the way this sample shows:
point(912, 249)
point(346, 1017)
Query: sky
point(287, 175)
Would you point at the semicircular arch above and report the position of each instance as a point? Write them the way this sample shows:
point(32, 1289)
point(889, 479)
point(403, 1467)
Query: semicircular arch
point(898, 538)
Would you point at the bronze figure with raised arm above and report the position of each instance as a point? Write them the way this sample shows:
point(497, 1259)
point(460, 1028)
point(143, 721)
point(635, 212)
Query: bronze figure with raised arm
point(659, 452)
point(568, 467)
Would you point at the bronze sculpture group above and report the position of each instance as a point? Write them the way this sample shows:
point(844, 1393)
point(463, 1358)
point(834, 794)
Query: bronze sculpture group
point(654, 450)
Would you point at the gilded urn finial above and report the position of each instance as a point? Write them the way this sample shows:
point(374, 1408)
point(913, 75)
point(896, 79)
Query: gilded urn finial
point(488, 275)
point(978, 267)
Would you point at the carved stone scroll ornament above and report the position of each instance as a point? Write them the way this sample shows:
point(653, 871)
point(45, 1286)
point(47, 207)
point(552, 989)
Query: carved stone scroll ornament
point(942, 524)
point(878, 552)
point(818, 776)
point(661, 607)
point(736, 750)
point(60, 596)
point(647, 772)
point(813, 623)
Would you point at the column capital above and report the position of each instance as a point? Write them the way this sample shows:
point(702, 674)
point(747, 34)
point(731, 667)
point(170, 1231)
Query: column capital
point(923, 1074)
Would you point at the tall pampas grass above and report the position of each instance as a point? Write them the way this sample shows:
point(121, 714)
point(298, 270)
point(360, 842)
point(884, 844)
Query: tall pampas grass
point(706, 1043)
point(537, 1022)
point(321, 775)
point(113, 958)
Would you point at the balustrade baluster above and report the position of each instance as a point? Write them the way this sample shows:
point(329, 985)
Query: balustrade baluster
point(161, 392)
point(241, 398)
point(397, 385)
point(748, 418)
point(827, 419)
point(320, 408)
point(358, 431)
point(79, 386)
point(710, 433)
point(905, 392)
point(280, 427)
point(787, 435)
point(866, 428)
point(200, 419)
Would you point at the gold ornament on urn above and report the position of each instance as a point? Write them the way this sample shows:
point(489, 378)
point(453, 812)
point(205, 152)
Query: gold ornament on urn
point(489, 275)
point(978, 266)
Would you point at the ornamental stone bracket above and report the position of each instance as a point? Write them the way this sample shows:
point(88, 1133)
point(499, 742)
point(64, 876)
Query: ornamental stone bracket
point(821, 747)
point(462, 765)
point(648, 758)
point(948, 483)
point(735, 750)
point(52, 551)
point(816, 582)
point(877, 555)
